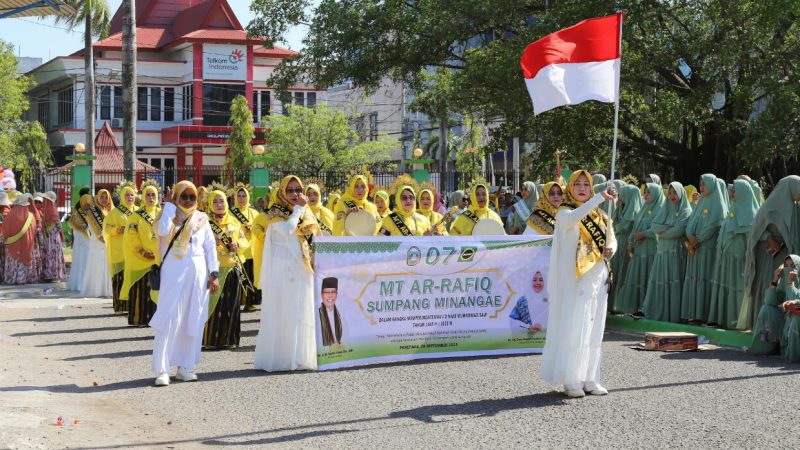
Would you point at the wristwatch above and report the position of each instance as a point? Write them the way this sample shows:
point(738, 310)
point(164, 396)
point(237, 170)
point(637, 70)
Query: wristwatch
point(214, 274)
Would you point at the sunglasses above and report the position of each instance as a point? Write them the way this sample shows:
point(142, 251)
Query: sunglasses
point(294, 191)
point(188, 197)
point(407, 197)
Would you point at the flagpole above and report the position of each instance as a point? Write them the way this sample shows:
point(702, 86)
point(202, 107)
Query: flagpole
point(616, 108)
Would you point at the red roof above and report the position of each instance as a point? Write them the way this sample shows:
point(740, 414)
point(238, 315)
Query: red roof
point(109, 153)
point(164, 23)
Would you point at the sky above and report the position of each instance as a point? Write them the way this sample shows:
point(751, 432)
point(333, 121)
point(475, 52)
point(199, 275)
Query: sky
point(40, 38)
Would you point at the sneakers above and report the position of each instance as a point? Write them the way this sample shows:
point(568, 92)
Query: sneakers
point(595, 389)
point(574, 390)
point(185, 375)
point(162, 379)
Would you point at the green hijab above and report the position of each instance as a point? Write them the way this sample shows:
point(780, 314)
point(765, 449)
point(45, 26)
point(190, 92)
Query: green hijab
point(711, 209)
point(530, 186)
point(649, 210)
point(598, 178)
point(631, 199)
point(741, 214)
point(673, 213)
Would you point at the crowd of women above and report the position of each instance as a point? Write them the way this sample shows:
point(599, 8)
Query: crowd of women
point(721, 255)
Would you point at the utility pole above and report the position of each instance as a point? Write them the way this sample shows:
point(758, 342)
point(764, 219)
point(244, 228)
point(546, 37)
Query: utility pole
point(129, 88)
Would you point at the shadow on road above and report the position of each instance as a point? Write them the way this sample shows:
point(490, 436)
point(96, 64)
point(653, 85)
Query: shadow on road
point(74, 331)
point(62, 318)
point(99, 341)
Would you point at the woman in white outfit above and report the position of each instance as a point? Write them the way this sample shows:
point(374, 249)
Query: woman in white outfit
point(583, 243)
point(78, 221)
point(97, 278)
point(286, 338)
point(188, 271)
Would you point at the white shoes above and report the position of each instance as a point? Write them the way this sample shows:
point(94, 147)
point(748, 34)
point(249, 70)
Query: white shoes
point(574, 390)
point(162, 379)
point(595, 389)
point(186, 375)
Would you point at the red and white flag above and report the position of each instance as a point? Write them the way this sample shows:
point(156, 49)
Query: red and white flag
point(575, 64)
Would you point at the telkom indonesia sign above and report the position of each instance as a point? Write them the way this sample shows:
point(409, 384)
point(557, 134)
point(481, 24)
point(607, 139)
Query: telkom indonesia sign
point(224, 62)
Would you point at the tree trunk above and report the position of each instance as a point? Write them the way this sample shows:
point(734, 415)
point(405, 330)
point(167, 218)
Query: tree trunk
point(129, 88)
point(88, 88)
point(444, 154)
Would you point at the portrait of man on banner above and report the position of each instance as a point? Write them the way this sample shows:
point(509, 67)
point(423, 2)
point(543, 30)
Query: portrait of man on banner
point(329, 319)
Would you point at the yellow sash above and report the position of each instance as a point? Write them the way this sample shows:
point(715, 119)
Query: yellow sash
point(22, 232)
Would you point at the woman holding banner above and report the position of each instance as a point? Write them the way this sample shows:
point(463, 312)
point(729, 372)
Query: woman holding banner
point(405, 220)
point(426, 208)
point(287, 334)
point(578, 281)
point(354, 200)
point(477, 210)
point(542, 220)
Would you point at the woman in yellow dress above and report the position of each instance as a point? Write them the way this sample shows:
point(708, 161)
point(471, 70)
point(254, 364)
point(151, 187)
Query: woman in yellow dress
point(382, 203)
point(354, 199)
point(542, 220)
point(324, 215)
point(404, 220)
point(140, 244)
point(114, 228)
point(478, 209)
point(243, 213)
point(426, 209)
point(223, 328)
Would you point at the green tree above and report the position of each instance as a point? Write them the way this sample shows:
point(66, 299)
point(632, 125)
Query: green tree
point(706, 85)
point(23, 145)
point(309, 141)
point(240, 141)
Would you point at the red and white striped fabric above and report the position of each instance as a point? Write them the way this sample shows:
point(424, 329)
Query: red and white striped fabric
point(575, 64)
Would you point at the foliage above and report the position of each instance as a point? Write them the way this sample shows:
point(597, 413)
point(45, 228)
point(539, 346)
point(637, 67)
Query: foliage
point(313, 140)
point(100, 14)
point(240, 141)
point(469, 152)
point(707, 86)
point(23, 145)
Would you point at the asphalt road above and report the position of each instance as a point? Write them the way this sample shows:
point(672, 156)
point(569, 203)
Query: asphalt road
point(71, 357)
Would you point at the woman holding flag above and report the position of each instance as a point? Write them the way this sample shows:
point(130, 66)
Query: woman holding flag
point(578, 280)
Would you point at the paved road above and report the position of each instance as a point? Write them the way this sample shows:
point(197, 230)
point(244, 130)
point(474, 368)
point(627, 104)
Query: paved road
point(54, 350)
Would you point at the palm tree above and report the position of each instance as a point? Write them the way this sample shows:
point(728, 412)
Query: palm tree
point(129, 86)
point(95, 16)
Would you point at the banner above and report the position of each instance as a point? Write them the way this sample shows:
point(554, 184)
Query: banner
point(224, 62)
point(400, 298)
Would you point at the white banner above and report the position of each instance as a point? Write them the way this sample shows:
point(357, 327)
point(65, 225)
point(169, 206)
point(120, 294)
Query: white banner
point(394, 298)
point(224, 62)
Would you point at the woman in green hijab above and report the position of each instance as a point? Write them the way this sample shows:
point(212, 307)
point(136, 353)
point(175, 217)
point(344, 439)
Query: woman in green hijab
point(775, 234)
point(522, 209)
point(727, 293)
point(701, 233)
point(642, 245)
point(778, 322)
point(663, 299)
point(629, 204)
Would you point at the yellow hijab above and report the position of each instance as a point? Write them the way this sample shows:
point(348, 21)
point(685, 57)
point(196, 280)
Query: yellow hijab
point(323, 214)
point(332, 200)
point(110, 205)
point(226, 216)
point(194, 221)
point(151, 210)
point(385, 196)
point(587, 254)
point(122, 193)
point(537, 222)
point(350, 194)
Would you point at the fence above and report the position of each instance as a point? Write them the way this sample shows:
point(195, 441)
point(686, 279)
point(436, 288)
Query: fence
point(58, 180)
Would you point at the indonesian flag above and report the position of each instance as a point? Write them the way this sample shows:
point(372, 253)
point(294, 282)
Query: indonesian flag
point(575, 64)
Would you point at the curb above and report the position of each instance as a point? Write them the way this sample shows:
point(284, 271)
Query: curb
point(728, 338)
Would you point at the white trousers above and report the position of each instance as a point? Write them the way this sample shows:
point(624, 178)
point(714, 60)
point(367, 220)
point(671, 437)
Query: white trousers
point(173, 346)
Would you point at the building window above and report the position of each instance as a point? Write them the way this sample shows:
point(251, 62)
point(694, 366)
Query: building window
point(311, 100)
point(187, 92)
point(373, 126)
point(299, 99)
point(65, 111)
point(43, 113)
point(117, 102)
point(307, 99)
point(142, 104)
point(155, 103)
point(261, 105)
point(105, 102)
point(169, 104)
point(217, 100)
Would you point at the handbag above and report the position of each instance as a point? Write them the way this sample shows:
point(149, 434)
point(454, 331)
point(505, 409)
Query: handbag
point(154, 275)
